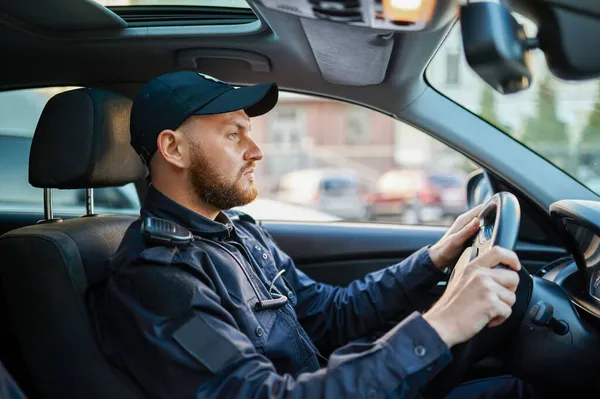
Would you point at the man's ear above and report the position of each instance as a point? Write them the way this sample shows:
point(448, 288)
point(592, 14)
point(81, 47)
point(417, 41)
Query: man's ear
point(174, 148)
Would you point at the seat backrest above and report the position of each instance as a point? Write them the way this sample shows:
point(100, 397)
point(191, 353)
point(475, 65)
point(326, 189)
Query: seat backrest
point(82, 140)
point(45, 278)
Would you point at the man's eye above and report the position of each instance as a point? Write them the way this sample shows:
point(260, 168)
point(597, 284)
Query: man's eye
point(232, 135)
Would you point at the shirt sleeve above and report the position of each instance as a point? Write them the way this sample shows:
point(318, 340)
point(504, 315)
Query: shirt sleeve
point(197, 350)
point(334, 316)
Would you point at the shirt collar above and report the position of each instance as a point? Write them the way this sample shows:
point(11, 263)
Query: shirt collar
point(159, 205)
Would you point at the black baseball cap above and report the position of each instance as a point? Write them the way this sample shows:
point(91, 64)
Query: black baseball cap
point(168, 100)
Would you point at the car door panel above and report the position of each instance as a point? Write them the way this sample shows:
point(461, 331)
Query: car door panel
point(308, 242)
point(338, 253)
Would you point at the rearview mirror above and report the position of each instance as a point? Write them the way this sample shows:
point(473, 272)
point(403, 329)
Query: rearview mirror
point(479, 188)
point(496, 46)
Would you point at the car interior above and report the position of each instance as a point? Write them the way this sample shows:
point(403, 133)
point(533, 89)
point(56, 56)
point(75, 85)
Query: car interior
point(372, 53)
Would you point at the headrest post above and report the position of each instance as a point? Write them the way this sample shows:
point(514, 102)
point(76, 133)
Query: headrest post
point(48, 212)
point(89, 201)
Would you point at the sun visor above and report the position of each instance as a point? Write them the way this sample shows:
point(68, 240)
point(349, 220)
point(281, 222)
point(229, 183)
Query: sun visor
point(349, 55)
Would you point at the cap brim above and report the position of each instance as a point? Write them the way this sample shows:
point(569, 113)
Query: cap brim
point(255, 100)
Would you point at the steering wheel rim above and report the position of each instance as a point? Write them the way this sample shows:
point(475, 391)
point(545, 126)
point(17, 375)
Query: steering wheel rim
point(500, 221)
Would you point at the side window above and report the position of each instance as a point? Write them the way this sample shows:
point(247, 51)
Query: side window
point(20, 111)
point(352, 163)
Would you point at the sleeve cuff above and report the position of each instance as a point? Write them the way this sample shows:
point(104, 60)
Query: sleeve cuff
point(420, 273)
point(417, 350)
point(428, 263)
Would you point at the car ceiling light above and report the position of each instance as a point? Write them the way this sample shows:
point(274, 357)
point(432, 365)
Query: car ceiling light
point(408, 11)
point(406, 4)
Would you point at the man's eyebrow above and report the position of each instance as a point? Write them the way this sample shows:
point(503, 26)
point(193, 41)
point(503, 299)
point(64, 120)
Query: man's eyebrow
point(242, 126)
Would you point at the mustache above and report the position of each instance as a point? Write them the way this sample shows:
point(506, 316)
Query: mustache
point(246, 168)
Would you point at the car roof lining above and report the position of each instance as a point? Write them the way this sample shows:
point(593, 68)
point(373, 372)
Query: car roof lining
point(124, 59)
point(66, 15)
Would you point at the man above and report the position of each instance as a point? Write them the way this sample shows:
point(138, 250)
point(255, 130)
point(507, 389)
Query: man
point(228, 314)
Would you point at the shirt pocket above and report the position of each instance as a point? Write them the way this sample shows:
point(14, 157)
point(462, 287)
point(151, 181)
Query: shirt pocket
point(288, 349)
point(256, 325)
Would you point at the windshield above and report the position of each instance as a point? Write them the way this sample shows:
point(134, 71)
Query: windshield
point(559, 120)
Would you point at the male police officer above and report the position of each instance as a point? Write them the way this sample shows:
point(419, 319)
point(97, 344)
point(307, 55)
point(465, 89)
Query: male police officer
point(225, 313)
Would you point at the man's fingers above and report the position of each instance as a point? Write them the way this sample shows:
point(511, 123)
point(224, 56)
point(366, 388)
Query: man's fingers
point(499, 256)
point(465, 219)
point(502, 312)
point(507, 296)
point(466, 232)
point(470, 214)
point(506, 278)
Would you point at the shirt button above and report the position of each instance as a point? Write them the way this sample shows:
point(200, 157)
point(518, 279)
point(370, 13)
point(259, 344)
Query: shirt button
point(420, 351)
point(290, 294)
point(265, 256)
point(259, 331)
point(257, 247)
point(372, 394)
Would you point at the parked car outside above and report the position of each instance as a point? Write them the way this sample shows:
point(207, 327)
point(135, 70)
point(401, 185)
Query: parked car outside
point(23, 197)
point(416, 196)
point(334, 191)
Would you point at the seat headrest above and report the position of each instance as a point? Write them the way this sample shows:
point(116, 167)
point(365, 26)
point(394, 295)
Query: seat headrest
point(82, 141)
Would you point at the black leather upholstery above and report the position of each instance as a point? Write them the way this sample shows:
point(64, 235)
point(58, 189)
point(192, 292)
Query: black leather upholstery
point(46, 275)
point(82, 141)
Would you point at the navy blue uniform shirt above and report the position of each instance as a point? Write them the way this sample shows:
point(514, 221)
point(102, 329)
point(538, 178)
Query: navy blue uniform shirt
point(183, 321)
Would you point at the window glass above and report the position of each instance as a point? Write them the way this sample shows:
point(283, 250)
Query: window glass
point(358, 128)
point(453, 68)
point(194, 3)
point(20, 111)
point(559, 120)
point(326, 160)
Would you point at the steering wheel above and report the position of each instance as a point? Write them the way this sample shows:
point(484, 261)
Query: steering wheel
point(500, 219)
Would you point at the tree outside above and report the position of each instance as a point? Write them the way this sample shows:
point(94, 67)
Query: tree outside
point(545, 132)
point(591, 132)
point(487, 108)
point(545, 128)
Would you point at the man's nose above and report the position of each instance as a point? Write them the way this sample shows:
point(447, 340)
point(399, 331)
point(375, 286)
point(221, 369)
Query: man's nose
point(253, 152)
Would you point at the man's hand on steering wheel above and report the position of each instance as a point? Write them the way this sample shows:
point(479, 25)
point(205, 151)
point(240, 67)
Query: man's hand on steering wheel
point(478, 295)
point(447, 250)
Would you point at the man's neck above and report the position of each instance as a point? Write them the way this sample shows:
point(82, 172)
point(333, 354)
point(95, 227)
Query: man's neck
point(187, 199)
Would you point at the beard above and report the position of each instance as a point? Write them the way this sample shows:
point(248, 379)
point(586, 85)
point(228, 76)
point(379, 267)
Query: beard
point(213, 187)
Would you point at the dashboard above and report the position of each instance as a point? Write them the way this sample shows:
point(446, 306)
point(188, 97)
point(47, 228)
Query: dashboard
point(581, 279)
point(557, 343)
